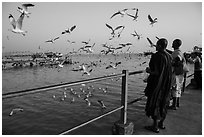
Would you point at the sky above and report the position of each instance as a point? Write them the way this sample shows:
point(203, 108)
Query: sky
point(181, 20)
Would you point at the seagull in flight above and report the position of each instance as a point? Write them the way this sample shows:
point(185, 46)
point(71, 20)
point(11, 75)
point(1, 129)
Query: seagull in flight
point(69, 30)
point(135, 34)
point(126, 44)
point(113, 30)
point(152, 21)
point(86, 42)
point(120, 12)
point(134, 16)
point(17, 25)
point(24, 9)
point(52, 40)
point(71, 42)
point(89, 46)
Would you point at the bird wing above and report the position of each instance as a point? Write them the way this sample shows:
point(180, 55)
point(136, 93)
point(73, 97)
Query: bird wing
point(128, 44)
point(150, 42)
point(122, 44)
point(109, 27)
point(136, 14)
point(56, 38)
point(48, 41)
point(131, 15)
point(117, 63)
point(11, 113)
point(135, 33)
point(20, 8)
point(93, 45)
point(119, 48)
point(63, 32)
point(115, 14)
point(157, 37)
point(12, 21)
point(150, 18)
point(20, 21)
point(72, 28)
point(119, 27)
point(90, 70)
point(27, 5)
point(87, 46)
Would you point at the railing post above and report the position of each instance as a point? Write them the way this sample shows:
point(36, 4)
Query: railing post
point(124, 92)
point(184, 82)
point(123, 127)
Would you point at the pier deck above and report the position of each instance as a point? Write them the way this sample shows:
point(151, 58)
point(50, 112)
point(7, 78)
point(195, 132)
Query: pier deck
point(187, 120)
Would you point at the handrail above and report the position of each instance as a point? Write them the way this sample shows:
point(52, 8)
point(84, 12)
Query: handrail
point(56, 86)
point(92, 120)
point(61, 85)
point(123, 106)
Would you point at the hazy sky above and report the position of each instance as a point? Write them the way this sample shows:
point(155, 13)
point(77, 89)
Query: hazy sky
point(48, 19)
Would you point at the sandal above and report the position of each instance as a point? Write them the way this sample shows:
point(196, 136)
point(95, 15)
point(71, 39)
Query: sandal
point(161, 126)
point(151, 128)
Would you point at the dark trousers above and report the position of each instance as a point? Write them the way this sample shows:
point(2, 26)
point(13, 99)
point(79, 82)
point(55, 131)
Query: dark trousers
point(198, 78)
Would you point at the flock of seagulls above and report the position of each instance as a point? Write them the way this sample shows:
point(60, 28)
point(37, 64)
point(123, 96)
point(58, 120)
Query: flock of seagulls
point(83, 93)
point(87, 47)
point(115, 31)
point(66, 31)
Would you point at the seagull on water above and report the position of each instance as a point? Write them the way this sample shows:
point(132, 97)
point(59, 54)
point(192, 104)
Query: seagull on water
point(152, 21)
point(24, 9)
point(102, 104)
point(17, 25)
point(15, 110)
point(113, 66)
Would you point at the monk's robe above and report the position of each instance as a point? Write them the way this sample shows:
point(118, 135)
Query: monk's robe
point(158, 86)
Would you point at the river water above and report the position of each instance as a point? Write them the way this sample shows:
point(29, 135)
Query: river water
point(55, 111)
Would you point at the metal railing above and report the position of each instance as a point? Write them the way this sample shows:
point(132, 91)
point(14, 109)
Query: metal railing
point(124, 95)
point(124, 91)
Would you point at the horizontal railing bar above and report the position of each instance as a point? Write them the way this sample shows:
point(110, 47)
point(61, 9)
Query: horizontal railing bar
point(56, 86)
point(61, 85)
point(190, 75)
point(92, 120)
point(136, 72)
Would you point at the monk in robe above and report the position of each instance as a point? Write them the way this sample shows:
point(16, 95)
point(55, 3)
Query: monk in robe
point(158, 86)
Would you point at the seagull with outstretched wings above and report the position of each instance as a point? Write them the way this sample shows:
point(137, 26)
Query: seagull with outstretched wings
point(152, 21)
